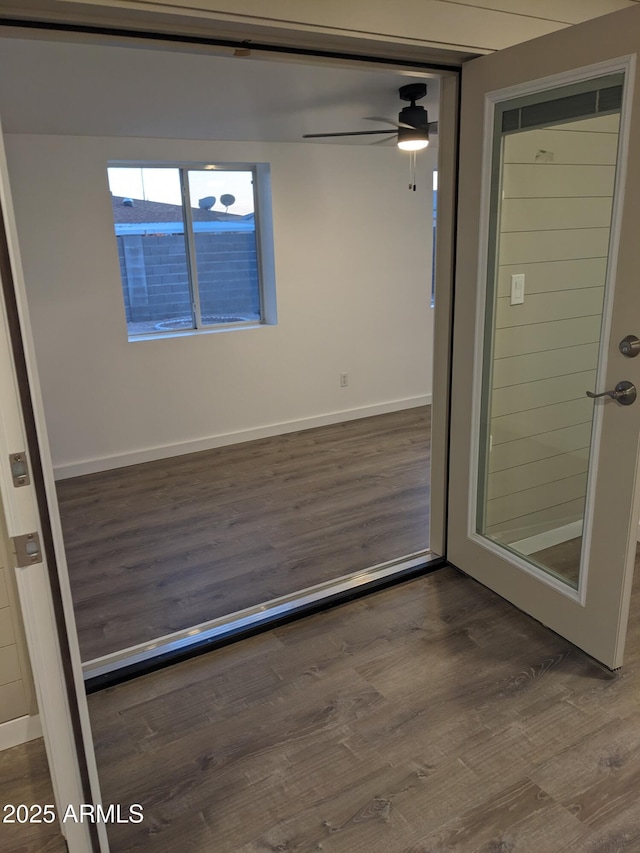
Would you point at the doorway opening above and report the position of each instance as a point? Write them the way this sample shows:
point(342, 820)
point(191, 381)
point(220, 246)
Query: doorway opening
point(211, 481)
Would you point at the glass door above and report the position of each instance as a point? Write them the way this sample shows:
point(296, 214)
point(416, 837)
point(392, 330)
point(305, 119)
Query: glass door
point(553, 181)
point(544, 427)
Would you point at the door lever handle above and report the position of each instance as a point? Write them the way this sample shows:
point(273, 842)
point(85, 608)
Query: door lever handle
point(625, 393)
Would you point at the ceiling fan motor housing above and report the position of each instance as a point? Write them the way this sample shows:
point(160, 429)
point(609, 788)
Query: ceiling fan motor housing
point(414, 115)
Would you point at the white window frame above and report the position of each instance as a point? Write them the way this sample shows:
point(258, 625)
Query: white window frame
point(264, 244)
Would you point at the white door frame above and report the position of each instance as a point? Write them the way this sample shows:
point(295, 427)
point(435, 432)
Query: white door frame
point(61, 697)
point(45, 643)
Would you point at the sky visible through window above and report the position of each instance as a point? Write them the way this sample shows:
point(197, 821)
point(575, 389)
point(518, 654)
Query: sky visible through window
point(163, 185)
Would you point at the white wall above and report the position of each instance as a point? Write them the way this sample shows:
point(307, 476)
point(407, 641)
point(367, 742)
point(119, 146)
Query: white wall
point(353, 262)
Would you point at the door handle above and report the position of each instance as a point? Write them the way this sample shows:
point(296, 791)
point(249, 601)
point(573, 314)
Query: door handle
point(625, 393)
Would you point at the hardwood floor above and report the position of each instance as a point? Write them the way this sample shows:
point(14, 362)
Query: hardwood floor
point(24, 778)
point(158, 547)
point(432, 717)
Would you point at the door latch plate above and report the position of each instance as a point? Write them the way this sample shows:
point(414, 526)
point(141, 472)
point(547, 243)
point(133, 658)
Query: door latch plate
point(19, 469)
point(27, 550)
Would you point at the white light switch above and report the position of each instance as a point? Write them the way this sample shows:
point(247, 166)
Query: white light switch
point(517, 289)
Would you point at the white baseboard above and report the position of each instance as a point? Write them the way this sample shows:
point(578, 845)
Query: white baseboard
point(547, 539)
point(15, 732)
point(151, 454)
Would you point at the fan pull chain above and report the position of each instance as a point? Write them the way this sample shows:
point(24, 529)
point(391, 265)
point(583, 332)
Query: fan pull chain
point(412, 170)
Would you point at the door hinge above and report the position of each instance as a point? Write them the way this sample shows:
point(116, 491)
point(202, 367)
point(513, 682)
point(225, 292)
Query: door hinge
point(27, 549)
point(19, 469)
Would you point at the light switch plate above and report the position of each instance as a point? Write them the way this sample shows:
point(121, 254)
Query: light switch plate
point(517, 289)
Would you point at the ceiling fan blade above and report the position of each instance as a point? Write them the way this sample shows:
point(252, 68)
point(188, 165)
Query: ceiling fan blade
point(384, 141)
point(387, 121)
point(433, 127)
point(349, 133)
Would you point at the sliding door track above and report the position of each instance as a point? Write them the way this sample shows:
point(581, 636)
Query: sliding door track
point(148, 657)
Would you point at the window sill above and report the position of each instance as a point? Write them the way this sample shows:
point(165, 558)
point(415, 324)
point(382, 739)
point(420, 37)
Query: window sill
point(187, 333)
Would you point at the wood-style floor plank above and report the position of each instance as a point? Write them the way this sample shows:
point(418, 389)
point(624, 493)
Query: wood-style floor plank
point(429, 718)
point(432, 717)
point(24, 778)
point(162, 546)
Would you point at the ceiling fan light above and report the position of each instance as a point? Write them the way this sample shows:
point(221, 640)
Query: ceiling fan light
point(413, 138)
point(412, 144)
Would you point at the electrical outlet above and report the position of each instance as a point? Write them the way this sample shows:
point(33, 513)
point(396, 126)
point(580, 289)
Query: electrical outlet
point(344, 380)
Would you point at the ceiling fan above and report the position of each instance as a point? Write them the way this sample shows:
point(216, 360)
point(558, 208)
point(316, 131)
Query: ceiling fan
point(412, 128)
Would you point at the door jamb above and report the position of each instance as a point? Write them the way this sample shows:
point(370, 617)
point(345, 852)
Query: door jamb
point(52, 644)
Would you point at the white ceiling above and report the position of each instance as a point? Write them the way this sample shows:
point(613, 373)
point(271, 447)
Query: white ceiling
point(451, 29)
point(98, 90)
point(74, 88)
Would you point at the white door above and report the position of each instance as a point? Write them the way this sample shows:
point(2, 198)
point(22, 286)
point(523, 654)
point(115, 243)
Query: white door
point(542, 489)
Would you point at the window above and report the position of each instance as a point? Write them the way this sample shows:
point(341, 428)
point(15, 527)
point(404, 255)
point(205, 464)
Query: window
point(195, 246)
